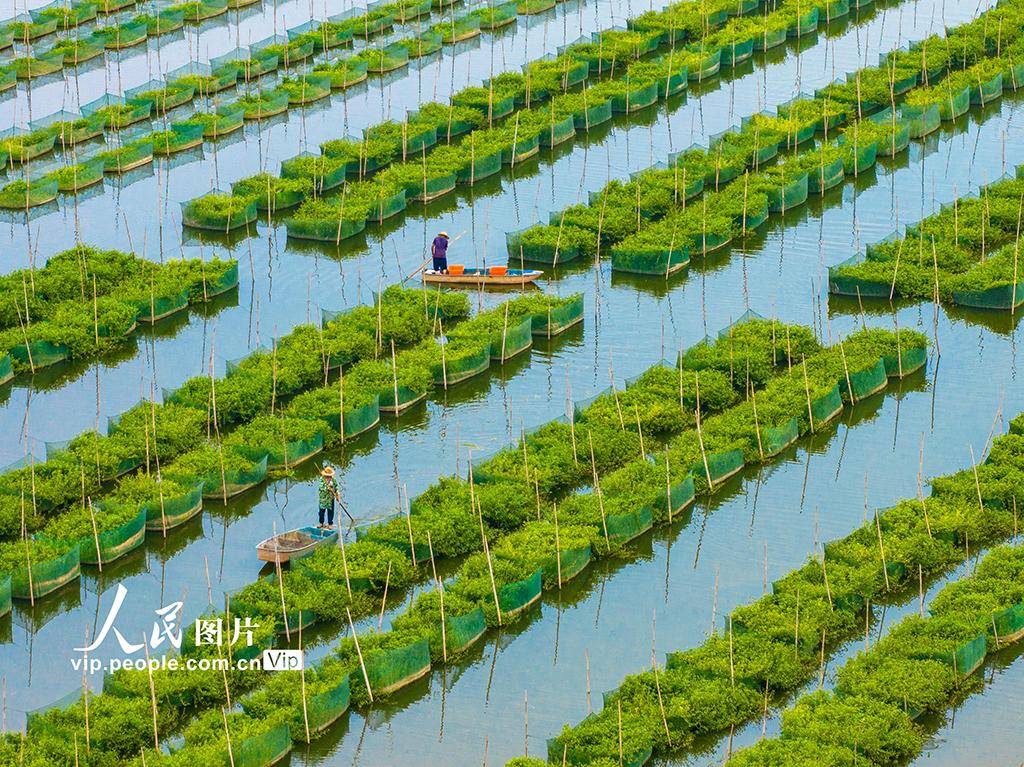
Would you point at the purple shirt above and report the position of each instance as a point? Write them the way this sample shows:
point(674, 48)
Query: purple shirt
point(440, 247)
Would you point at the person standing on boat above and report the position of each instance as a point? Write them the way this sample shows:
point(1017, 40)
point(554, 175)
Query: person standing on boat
point(439, 252)
point(328, 492)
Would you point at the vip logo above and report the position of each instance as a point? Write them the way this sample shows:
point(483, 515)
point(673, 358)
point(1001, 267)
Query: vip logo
point(282, 660)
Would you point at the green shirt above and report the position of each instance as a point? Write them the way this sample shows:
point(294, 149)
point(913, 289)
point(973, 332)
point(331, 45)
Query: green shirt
point(328, 487)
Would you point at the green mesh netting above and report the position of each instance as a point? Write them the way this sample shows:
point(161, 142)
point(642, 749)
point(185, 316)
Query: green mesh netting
point(1013, 76)
point(861, 159)
point(39, 354)
point(222, 284)
point(432, 188)
point(906, 362)
point(955, 104)
point(157, 308)
point(326, 708)
point(45, 576)
point(262, 750)
point(114, 543)
point(235, 482)
point(805, 24)
point(288, 454)
point(650, 260)
point(849, 285)
point(865, 382)
point(635, 97)
point(836, 9)
point(720, 466)
point(462, 631)
point(524, 148)
point(193, 216)
point(775, 439)
point(709, 242)
point(921, 120)
point(751, 218)
point(736, 53)
point(512, 340)
point(174, 511)
point(559, 319)
point(323, 230)
point(6, 369)
point(5, 594)
point(770, 38)
point(900, 138)
point(967, 658)
point(558, 132)
point(572, 563)
point(452, 371)
point(397, 399)
point(1002, 297)
point(708, 67)
point(551, 253)
point(622, 528)
point(558, 754)
point(825, 177)
point(480, 168)
point(827, 406)
point(587, 118)
point(387, 207)
point(390, 670)
point(517, 596)
point(791, 195)
point(1009, 623)
point(356, 421)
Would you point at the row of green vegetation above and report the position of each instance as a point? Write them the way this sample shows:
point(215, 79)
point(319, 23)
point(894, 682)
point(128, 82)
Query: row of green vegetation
point(651, 224)
point(765, 651)
point(196, 80)
point(507, 517)
point(85, 301)
point(216, 439)
point(539, 107)
point(968, 253)
point(204, 81)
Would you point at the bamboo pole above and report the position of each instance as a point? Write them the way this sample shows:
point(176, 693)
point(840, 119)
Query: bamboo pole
point(359, 652)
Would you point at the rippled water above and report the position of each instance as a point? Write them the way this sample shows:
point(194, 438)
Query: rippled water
point(816, 492)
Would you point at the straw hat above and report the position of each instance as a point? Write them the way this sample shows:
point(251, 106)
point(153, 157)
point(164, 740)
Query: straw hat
point(327, 471)
point(443, 234)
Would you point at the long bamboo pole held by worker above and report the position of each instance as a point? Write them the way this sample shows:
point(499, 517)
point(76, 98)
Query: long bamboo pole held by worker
point(430, 258)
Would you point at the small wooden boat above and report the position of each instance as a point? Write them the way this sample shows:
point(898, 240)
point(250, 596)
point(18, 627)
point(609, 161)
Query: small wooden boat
point(484, 277)
point(295, 544)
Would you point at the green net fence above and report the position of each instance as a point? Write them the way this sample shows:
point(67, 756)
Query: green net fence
point(517, 596)
point(636, 97)
point(652, 261)
point(622, 528)
point(45, 577)
point(386, 207)
point(965, 659)
point(921, 120)
point(39, 354)
point(589, 116)
point(323, 230)
point(1008, 624)
point(160, 307)
point(356, 421)
point(572, 562)
point(706, 67)
point(480, 167)
point(864, 383)
point(720, 466)
point(428, 189)
point(736, 53)
point(462, 631)
point(6, 369)
point(789, 196)
point(775, 439)
point(550, 252)
point(512, 340)
point(1000, 297)
point(523, 148)
point(114, 543)
point(558, 132)
point(261, 750)
point(849, 285)
point(559, 319)
point(174, 511)
point(197, 215)
point(770, 38)
point(465, 365)
point(324, 709)
point(390, 670)
point(905, 362)
point(955, 104)
point(234, 481)
point(5, 594)
point(825, 177)
point(398, 399)
point(227, 280)
point(827, 406)
point(559, 754)
point(284, 455)
point(900, 138)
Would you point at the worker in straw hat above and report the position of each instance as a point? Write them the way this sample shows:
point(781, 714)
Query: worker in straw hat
point(328, 492)
point(439, 251)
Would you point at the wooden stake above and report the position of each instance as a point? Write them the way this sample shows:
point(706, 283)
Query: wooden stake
point(359, 652)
